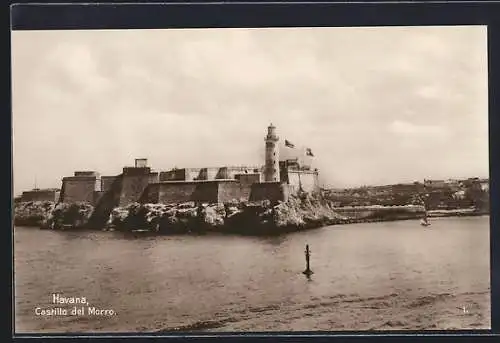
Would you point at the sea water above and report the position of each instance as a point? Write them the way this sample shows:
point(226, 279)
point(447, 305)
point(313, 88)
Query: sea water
point(376, 276)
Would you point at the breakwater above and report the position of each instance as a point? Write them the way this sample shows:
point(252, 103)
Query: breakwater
point(253, 218)
point(462, 212)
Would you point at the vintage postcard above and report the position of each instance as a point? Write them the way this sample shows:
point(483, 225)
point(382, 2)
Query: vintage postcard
point(251, 180)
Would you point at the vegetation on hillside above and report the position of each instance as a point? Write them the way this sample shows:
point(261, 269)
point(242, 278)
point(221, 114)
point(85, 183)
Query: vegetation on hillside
point(466, 194)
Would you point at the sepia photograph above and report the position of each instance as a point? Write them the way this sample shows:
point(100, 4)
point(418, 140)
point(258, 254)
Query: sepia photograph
point(306, 179)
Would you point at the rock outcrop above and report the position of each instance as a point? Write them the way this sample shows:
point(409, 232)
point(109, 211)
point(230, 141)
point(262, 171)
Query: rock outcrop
point(75, 216)
point(33, 213)
point(299, 212)
point(232, 217)
point(171, 218)
point(305, 211)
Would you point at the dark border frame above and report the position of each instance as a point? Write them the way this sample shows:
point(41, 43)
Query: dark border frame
point(291, 14)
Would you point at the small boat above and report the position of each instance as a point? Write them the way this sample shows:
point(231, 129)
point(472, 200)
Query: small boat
point(425, 222)
point(141, 231)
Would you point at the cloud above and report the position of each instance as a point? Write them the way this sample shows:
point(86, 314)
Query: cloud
point(416, 131)
point(361, 98)
point(75, 67)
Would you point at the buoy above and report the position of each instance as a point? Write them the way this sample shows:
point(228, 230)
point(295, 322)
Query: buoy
point(308, 270)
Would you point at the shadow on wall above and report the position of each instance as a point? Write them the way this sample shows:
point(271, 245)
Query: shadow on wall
point(108, 201)
point(272, 191)
point(134, 183)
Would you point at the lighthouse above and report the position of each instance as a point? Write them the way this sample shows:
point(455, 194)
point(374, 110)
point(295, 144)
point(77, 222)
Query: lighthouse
point(272, 170)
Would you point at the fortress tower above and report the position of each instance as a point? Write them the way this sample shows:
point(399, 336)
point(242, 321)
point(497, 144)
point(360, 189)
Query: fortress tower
point(271, 169)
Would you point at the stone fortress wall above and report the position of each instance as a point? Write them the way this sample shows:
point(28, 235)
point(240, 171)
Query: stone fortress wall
point(143, 185)
point(273, 181)
point(50, 194)
point(84, 186)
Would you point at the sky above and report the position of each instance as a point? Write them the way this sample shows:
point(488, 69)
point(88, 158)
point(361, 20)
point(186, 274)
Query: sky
point(375, 105)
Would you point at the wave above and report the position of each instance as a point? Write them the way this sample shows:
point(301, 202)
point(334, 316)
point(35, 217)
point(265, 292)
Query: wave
point(428, 300)
point(196, 326)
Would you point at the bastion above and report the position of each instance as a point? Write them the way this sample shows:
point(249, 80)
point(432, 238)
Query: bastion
point(274, 181)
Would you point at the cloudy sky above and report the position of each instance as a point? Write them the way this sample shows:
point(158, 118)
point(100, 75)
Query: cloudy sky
point(375, 105)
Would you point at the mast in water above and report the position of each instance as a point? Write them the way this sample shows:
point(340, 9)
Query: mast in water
point(425, 220)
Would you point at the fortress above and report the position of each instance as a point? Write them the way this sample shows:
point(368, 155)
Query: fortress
point(274, 181)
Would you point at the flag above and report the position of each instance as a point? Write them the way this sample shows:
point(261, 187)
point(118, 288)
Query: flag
point(309, 152)
point(289, 144)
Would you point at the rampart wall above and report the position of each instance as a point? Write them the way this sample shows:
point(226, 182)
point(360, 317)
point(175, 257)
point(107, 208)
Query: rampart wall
point(272, 191)
point(248, 178)
point(78, 189)
point(308, 180)
point(177, 192)
point(229, 191)
point(40, 195)
point(173, 175)
point(206, 174)
point(106, 201)
point(134, 182)
point(107, 182)
point(215, 191)
point(140, 184)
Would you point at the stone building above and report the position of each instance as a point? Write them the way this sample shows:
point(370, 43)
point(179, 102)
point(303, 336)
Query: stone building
point(273, 181)
point(83, 186)
point(271, 167)
point(36, 194)
point(135, 180)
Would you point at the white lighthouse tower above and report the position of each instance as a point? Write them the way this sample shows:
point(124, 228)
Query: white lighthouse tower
point(272, 169)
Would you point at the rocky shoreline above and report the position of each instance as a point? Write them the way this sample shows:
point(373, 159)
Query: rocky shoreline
point(258, 218)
